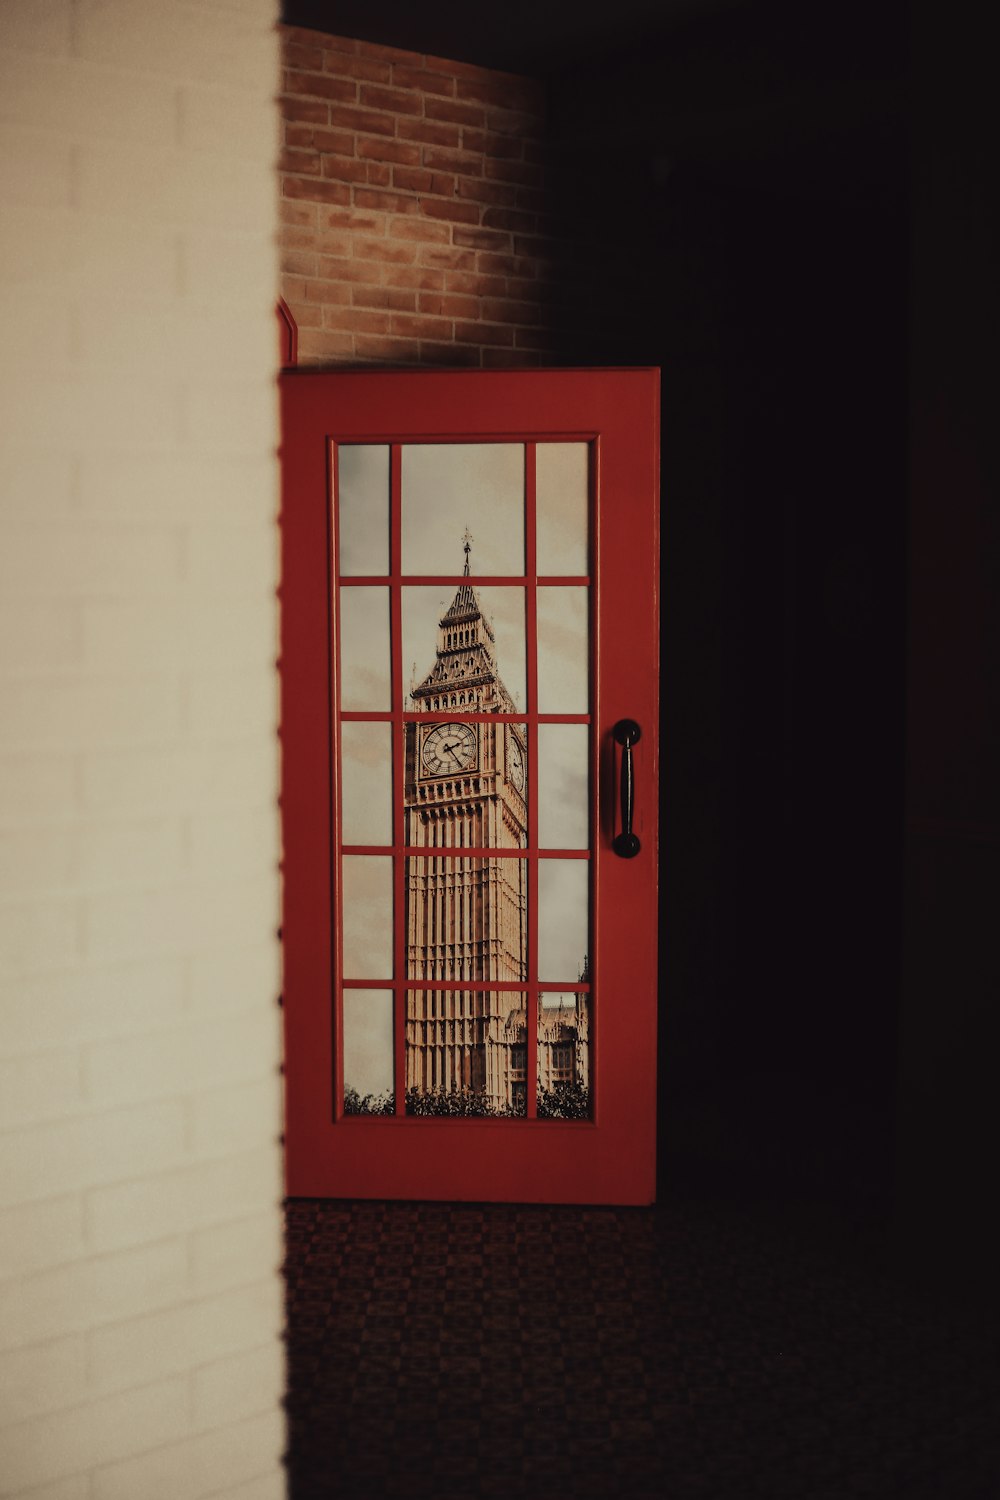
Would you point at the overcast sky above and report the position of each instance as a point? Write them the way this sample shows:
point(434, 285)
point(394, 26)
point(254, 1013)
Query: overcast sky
point(447, 487)
point(368, 1041)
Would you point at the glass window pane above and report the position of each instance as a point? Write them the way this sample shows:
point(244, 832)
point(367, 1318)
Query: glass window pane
point(366, 783)
point(464, 649)
point(564, 1056)
point(563, 651)
point(368, 1052)
point(466, 1052)
point(365, 670)
point(563, 919)
point(466, 918)
point(366, 894)
point(561, 508)
point(451, 488)
point(363, 507)
point(563, 786)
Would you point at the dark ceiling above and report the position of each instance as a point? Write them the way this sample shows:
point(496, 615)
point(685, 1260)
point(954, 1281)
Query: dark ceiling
point(537, 37)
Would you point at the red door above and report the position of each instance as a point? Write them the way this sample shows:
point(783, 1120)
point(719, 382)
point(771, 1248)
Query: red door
point(469, 790)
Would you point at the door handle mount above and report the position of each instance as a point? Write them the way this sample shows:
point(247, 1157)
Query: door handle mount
point(626, 844)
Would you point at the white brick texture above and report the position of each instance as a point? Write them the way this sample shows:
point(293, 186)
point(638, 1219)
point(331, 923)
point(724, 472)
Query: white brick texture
point(140, 1088)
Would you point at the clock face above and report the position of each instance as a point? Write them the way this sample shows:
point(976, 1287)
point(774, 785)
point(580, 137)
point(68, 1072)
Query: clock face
point(448, 747)
point(515, 763)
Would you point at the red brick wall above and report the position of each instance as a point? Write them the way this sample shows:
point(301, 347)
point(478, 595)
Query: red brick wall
point(412, 222)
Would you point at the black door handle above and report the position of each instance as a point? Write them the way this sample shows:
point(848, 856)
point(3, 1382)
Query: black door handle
point(627, 733)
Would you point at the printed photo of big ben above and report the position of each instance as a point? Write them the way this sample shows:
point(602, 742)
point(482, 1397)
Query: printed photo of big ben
point(464, 877)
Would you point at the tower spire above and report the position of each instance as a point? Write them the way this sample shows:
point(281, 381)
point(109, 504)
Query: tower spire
point(467, 540)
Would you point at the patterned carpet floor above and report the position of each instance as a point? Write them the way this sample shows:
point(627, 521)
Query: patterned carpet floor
point(691, 1351)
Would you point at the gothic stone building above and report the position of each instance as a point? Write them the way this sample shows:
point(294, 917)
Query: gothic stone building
point(467, 913)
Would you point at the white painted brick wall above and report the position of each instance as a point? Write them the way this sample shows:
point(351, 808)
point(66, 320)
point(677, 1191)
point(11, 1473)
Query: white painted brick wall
point(140, 1234)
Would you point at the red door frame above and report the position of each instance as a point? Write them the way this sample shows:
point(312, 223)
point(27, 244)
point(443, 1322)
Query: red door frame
point(611, 1158)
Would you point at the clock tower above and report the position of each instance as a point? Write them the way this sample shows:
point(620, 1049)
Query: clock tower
point(464, 789)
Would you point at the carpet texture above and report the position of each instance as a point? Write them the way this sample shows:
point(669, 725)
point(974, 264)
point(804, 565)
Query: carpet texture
point(440, 1350)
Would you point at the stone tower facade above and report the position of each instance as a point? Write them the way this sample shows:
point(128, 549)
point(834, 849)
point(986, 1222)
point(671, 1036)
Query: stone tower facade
point(466, 913)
